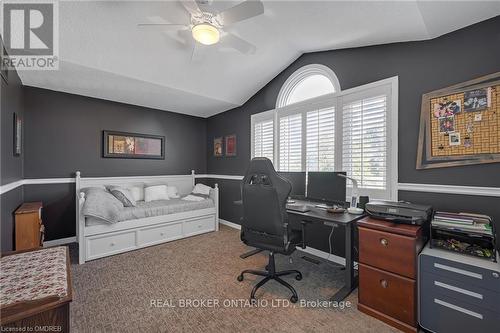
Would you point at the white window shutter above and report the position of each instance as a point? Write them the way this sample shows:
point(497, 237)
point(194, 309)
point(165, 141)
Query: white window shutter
point(364, 153)
point(264, 139)
point(320, 142)
point(290, 143)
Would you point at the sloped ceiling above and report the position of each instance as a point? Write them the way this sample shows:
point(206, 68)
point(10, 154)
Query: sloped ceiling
point(105, 55)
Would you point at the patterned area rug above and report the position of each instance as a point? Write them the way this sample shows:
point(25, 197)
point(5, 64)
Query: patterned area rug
point(190, 285)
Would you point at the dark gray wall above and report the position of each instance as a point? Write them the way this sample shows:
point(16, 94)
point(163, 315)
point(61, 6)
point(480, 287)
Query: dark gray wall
point(421, 66)
point(11, 167)
point(64, 134)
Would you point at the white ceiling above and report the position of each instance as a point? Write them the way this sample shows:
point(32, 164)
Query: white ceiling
point(103, 53)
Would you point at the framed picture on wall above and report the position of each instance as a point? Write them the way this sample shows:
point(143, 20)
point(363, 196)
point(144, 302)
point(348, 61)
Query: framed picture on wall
point(230, 145)
point(18, 126)
point(133, 145)
point(218, 147)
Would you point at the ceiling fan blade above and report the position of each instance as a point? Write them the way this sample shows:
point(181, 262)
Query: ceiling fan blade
point(198, 53)
point(243, 11)
point(191, 6)
point(238, 44)
point(160, 25)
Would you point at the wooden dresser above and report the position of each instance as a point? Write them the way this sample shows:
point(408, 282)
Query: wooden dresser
point(29, 228)
point(388, 271)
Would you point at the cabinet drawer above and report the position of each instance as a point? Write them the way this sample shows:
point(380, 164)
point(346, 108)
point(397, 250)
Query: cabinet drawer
point(159, 234)
point(388, 251)
point(110, 244)
point(388, 293)
point(199, 225)
point(433, 284)
point(444, 314)
point(468, 274)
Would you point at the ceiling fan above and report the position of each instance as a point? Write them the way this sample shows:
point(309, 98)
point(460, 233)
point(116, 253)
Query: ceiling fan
point(208, 27)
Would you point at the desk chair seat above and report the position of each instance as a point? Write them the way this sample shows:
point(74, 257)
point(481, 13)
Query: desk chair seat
point(265, 221)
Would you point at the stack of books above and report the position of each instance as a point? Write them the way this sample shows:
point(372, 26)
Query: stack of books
point(465, 222)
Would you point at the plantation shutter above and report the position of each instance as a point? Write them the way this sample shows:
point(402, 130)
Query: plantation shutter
point(365, 141)
point(264, 139)
point(290, 143)
point(320, 142)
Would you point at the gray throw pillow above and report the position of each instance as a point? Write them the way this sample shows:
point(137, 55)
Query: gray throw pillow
point(101, 204)
point(123, 195)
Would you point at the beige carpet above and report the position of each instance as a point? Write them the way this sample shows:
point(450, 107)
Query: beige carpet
point(114, 294)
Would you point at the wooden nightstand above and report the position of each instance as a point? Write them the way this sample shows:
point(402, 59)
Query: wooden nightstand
point(388, 271)
point(29, 227)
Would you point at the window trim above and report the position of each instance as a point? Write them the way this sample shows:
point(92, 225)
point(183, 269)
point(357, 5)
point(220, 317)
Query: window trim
point(300, 75)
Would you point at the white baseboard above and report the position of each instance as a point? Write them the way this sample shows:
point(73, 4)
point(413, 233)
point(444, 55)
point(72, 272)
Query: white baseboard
point(309, 250)
point(230, 224)
point(60, 241)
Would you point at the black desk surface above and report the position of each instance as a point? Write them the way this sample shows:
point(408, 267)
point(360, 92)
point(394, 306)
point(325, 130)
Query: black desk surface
point(320, 214)
point(316, 214)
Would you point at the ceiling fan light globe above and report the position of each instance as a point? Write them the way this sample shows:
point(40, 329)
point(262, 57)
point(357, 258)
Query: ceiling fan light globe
point(206, 34)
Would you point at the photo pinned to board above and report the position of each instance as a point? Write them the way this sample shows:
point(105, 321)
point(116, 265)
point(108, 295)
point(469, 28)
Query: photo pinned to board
point(476, 100)
point(454, 139)
point(478, 117)
point(448, 108)
point(446, 124)
point(467, 142)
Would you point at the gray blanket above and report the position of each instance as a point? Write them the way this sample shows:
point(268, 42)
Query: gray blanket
point(156, 208)
point(101, 205)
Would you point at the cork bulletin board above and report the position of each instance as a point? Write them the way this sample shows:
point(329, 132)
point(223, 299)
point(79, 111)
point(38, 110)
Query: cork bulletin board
point(460, 125)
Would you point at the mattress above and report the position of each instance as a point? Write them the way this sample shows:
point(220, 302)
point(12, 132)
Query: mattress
point(155, 208)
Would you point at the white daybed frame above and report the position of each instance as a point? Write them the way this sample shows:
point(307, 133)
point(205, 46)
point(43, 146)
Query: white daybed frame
point(97, 241)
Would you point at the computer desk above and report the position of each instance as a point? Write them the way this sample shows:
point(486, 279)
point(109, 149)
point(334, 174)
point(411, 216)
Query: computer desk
point(345, 220)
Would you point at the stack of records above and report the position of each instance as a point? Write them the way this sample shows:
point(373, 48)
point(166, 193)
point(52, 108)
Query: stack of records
point(464, 222)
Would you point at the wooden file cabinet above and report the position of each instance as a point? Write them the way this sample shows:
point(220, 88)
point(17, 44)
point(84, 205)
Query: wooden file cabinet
point(29, 227)
point(388, 271)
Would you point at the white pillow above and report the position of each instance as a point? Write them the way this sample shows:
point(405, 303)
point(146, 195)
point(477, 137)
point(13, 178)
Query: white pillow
point(137, 192)
point(172, 192)
point(155, 192)
point(201, 189)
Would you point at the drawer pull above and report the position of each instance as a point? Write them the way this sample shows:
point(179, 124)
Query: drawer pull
point(495, 275)
point(458, 308)
point(112, 244)
point(200, 226)
point(458, 290)
point(458, 270)
point(384, 283)
point(162, 234)
point(384, 242)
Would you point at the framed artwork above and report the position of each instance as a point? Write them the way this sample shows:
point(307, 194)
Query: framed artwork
point(230, 145)
point(18, 125)
point(218, 147)
point(133, 145)
point(459, 124)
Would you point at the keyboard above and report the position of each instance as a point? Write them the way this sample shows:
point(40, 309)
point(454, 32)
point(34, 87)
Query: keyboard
point(298, 208)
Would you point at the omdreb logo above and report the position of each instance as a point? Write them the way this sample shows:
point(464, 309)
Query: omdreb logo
point(30, 32)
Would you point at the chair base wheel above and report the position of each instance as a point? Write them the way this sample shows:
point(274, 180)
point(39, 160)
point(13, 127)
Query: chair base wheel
point(294, 299)
point(298, 277)
point(240, 278)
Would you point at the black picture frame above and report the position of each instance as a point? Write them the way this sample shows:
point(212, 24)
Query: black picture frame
point(106, 153)
point(17, 135)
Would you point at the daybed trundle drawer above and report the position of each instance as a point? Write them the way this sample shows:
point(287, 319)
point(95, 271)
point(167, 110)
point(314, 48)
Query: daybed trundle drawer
point(98, 246)
point(199, 225)
point(160, 234)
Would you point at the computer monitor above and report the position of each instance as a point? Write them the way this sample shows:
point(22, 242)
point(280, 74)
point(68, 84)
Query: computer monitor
point(298, 180)
point(326, 187)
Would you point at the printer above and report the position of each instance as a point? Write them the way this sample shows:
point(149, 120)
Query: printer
point(399, 212)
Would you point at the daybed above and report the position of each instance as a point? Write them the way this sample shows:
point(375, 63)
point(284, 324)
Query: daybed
point(146, 224)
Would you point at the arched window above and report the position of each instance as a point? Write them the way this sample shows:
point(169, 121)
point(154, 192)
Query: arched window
point(308, 82)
